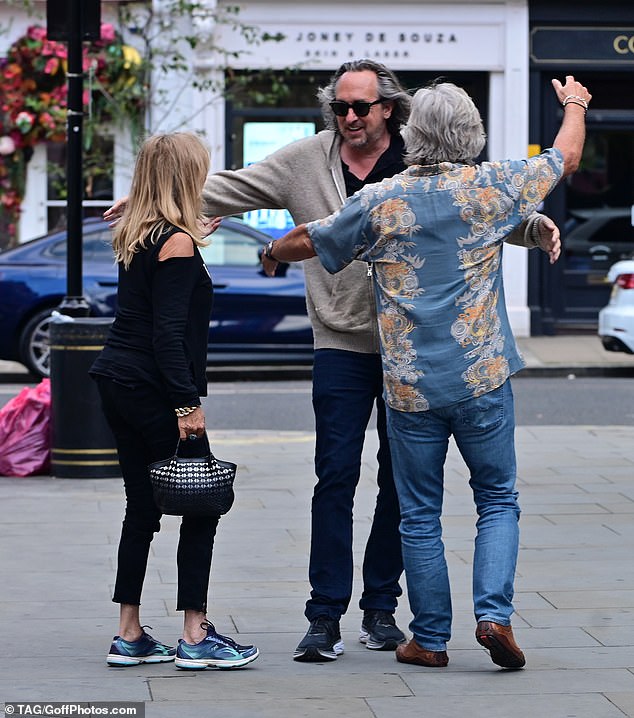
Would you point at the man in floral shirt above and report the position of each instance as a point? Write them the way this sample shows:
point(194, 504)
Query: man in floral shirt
point(434, 236)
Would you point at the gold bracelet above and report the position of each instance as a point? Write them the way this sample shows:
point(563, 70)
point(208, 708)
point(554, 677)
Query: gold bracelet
point(185, 410)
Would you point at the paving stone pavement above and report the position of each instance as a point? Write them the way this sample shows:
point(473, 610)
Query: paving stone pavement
point(575, 592)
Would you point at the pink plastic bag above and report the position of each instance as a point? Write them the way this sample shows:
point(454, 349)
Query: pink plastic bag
point(25, 427)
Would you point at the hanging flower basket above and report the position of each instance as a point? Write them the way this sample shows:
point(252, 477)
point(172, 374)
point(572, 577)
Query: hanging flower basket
point(33, 103)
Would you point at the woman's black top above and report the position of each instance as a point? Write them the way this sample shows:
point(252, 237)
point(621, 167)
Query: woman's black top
point(161, 327)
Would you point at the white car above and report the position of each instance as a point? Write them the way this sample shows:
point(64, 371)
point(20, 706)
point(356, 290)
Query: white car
point(616, 320)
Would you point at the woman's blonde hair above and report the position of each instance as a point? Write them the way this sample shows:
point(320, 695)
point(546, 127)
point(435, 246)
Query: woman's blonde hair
point(169, 176)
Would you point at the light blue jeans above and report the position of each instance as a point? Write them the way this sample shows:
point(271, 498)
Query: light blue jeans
point(484, 432)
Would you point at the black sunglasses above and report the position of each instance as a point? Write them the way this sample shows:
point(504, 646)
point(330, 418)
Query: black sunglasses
point(361, 108)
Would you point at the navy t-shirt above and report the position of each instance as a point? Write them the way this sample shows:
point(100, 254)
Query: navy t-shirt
point(390, 163)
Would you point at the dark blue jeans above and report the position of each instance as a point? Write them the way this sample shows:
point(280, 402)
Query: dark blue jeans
point(146, 430)
point(346, 386)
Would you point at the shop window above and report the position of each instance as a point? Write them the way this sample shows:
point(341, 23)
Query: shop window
point(599, 198)
point(267, 110)
point(98, 173)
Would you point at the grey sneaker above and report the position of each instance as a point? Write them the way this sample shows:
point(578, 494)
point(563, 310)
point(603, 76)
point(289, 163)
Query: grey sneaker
point(380, 632)
point(321, 643)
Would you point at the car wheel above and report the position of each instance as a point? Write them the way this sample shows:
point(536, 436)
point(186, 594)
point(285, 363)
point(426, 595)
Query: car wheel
point(35, 350)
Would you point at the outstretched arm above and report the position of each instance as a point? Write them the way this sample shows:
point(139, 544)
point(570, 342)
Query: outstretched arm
point(569, 141)
point(292, 247)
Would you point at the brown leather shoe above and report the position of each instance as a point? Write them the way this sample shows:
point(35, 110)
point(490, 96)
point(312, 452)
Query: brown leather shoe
point(412, 653)
point(500, 643)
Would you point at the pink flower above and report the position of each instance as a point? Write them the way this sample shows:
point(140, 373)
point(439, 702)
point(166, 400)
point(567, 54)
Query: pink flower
point(46, 120)
point(7, 145)
point(59, 93)
point(53, 49)
point(107, 32)
point(52, 66)
point(36, 33)
point(9, 198)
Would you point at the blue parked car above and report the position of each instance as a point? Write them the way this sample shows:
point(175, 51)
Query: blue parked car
point(255, 318)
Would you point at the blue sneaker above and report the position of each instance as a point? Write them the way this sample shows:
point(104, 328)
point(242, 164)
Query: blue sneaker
point(145, 650)
point(214, 651)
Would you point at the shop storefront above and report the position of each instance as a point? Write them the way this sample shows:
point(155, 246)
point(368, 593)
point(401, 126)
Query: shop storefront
point(481, 46)
point(594, 207)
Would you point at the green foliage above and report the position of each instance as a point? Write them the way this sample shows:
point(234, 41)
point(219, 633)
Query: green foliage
point(167, 50)
point(118, 85)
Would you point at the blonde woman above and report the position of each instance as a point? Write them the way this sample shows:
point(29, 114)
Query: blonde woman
point(151, 375)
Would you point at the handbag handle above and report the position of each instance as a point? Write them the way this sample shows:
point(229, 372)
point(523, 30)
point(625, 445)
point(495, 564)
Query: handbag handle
point(209, 455)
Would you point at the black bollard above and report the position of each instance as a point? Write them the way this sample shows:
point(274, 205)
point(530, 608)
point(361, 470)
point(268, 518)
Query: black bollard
point(82, 445)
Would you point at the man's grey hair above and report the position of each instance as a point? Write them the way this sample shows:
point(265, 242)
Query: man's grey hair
point(444, 126)
point(388, 87)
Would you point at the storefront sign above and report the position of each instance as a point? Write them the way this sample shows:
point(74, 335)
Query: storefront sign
point(450, 46)
point(582, 45)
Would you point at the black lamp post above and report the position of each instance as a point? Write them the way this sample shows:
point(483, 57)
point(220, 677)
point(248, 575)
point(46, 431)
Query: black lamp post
point(74, 302)
point(74, 21)
point(82, 445)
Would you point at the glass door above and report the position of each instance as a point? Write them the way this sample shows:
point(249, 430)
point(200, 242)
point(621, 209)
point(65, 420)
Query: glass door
point(598, 224)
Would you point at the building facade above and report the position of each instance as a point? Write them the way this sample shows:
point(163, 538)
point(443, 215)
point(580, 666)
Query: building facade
point(481, 46)
point(504, 52)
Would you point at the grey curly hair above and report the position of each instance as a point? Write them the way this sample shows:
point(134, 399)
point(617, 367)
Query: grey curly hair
point(389, 88)
point(444, 126)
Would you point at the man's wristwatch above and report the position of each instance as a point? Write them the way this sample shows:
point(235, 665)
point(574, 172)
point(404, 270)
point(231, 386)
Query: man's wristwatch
point(268, 251)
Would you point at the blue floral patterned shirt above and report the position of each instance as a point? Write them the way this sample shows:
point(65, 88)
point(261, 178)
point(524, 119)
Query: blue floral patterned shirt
point(434, 235)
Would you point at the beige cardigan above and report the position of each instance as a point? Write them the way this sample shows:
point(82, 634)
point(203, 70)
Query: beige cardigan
point(306, 178)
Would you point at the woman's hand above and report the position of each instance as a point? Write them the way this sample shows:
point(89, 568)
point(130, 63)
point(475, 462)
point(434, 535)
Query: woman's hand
point(113, 214)
point(209, 225)
point(191, 424)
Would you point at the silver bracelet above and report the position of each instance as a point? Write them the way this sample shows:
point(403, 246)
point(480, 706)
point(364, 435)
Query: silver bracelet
point(268, 251)
point(575, 100)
